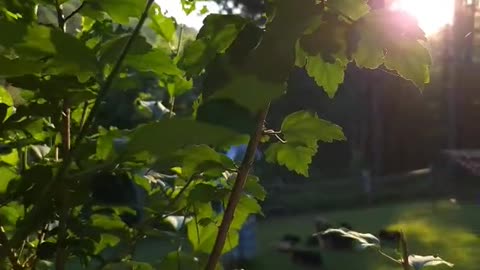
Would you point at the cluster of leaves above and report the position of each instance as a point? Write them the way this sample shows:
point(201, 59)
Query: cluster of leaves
point(363, 241)
point(66, 56)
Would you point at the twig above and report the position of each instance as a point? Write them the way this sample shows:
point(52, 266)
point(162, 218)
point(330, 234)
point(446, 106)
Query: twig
point(236, 194)
point(184, 188)
point(279, 138)
point(5, 245)
point(403, 243)
point(60, 19)
point(61, 254)
point(36, 211)
point(74, 12)
point(388, 256)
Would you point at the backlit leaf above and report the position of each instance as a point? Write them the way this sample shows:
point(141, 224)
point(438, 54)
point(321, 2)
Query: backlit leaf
point(119, 10)
point(6, 104)
point(7, 174)
point(411, 60)
point(163, 26)
point(327, 75)
point(393, 38)
point(295, 157)
point(216, 36)
point(302, 131)
point(307, 128)
point(156, 61)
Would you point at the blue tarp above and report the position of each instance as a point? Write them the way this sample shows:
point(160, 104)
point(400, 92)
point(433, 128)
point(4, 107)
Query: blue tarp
point(247, 246)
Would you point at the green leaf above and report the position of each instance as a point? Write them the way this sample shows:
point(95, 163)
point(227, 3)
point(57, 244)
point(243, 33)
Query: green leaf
point(178, 85)
point(203, 159)
point(300, 56)
point(205, 193)
point(119, 10)
point(108, 223)
point(246, 207)
point(253, 187)
point(226, 113)
point(307, 128)
point(352, 9)
point(156, 61)
point(411, 60)
point(106, 241)
point(105, 149)
point(10, 214)
point(202, 237)
point(63, 53)
point(110, 50)
point(6, 105)
point(178, 260)
point(163, 26)
point(295, 157)
point(7, 174)
point(167, 136)
point(368, 54)
point(250, 92)
point(195, 57)
point(393, 38)
point(10, 159)
point(221, 30)
point(302, 131)
point(329, 39)
point(215, 37)
point(327, 75)
point(18, 66)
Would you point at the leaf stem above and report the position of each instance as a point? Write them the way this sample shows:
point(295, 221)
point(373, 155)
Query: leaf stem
point(388, 256)
point(236, 194)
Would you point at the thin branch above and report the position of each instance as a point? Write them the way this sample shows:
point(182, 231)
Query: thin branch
point(36, 212)
point(60, 19)
point(403, 243)
point(237, 190)
point(184, 188)
point(74, 12)
point(5, 245)
point(388, 257)
point(61, 253)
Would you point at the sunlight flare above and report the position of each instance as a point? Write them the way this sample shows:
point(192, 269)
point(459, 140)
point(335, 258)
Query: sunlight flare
point(432, 15)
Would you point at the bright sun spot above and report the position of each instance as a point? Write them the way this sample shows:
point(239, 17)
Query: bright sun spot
point(432, 15)
point(195, 19)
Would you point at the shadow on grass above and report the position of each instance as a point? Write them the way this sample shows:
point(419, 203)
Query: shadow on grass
point(446, 229)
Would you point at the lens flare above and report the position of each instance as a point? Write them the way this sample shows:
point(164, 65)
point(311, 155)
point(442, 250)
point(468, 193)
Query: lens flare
point(432, 15)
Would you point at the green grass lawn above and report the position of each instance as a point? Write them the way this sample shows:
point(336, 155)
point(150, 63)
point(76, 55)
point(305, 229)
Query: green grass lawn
point(449, 230)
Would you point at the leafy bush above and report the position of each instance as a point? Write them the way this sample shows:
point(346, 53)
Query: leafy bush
point(62, 178)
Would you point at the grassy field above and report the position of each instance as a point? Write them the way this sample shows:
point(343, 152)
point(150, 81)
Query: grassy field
point(447, 229)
